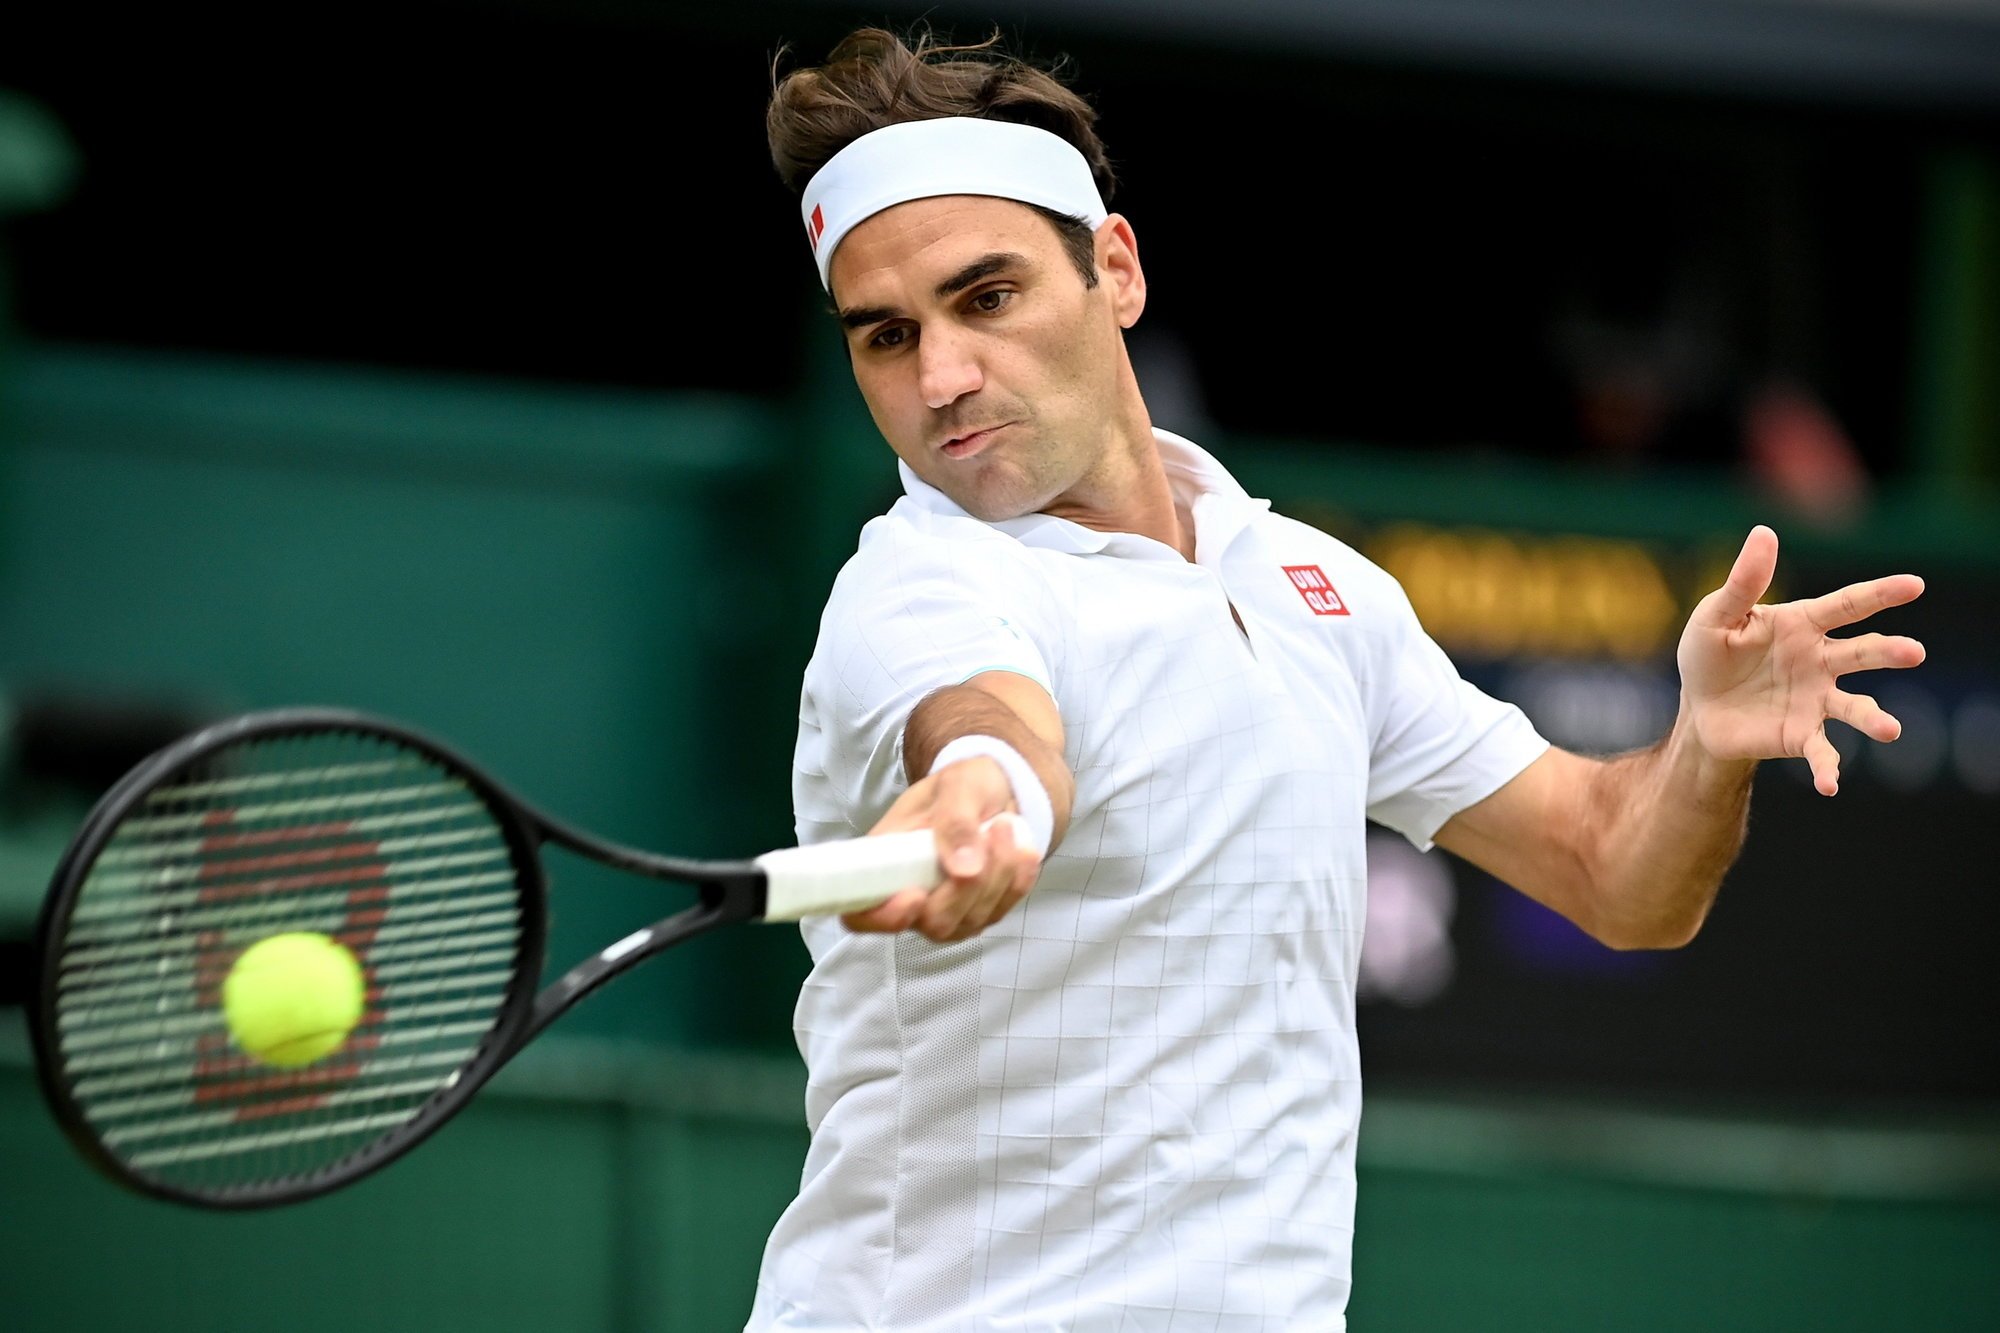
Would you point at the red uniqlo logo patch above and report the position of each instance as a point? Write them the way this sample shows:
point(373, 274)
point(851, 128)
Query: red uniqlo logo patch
point(1314, 586)
point(816, 226)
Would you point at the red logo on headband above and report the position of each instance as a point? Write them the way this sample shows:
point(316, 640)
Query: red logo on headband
point(816, 226)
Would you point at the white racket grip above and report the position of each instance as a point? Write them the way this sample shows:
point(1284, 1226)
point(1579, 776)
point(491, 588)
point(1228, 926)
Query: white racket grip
point(854, 874)
point(848, 876)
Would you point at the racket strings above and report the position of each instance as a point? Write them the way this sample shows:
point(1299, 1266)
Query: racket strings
point(345, 835)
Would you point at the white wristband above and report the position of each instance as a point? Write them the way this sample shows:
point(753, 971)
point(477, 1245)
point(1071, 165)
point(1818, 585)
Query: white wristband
point(1037, 811)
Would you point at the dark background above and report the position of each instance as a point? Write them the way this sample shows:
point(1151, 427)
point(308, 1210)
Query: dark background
point(1344, 247)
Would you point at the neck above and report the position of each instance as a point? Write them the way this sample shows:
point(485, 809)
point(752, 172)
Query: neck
point(1127, 491)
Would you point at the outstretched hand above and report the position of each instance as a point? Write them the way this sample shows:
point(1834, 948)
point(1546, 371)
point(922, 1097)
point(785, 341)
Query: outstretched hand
point(1759, 682)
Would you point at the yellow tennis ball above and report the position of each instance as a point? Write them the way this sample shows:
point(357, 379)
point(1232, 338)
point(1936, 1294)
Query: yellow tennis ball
point(292, 999)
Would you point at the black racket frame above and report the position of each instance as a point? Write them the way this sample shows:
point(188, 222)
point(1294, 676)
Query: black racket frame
point(730, 892)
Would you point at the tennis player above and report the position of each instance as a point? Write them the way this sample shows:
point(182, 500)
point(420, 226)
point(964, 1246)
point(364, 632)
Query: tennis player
point(1129, 1099)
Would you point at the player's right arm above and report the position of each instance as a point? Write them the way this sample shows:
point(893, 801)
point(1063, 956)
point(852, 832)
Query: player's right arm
point(939, 628)
point(987, 874)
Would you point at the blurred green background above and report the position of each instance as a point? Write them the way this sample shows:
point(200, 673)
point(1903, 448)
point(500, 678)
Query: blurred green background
point(460, 362)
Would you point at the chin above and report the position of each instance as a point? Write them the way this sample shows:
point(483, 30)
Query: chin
point(989, 508)
point(1004, 497)
point(991, 494)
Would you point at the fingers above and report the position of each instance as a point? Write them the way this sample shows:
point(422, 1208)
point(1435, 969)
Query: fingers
point(1825, 761)
point(1858, 601)
point(1009, 873)
point(1863, 714)
point(961, 847)
point(1858, 711)
point(899, 913)
point(1872, 652)
point(1749, 579)
point(1018, 867)
point(986, 874)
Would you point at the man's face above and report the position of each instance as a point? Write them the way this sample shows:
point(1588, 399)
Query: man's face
point(988, 365)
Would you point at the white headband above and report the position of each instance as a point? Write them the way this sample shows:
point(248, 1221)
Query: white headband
point(921, 159)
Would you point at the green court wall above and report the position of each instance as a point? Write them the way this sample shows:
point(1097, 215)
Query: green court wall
point(632, 1189)
point(549, 581)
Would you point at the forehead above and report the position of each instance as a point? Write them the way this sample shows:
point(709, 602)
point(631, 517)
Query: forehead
point(915, 244)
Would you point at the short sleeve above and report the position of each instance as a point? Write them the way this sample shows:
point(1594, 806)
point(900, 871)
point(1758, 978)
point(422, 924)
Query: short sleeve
point(1438, 743)
point(911, 614)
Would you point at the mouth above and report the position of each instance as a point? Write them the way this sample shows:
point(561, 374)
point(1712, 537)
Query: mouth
point(966, 446)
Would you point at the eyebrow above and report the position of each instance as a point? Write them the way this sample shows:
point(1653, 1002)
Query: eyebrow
point(983, 267)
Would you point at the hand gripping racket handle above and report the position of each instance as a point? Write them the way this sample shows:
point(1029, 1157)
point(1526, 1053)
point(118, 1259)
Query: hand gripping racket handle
point(854, 875)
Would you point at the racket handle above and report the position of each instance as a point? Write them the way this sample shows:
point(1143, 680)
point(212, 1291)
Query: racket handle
point(852, 875)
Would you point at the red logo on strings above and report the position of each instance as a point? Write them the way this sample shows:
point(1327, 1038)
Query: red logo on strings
point(816, 226)
point(1314, 586)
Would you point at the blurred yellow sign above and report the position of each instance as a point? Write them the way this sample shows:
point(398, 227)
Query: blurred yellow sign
point(1499, 595)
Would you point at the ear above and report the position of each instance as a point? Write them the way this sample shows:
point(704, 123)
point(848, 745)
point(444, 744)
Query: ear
point(1118, 262)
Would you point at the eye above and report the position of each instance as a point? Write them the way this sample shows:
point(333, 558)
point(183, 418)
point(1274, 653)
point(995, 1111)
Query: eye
point(895, 335)
point(993, 301)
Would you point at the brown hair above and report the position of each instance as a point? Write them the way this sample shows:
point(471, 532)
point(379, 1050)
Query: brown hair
point(873, 78)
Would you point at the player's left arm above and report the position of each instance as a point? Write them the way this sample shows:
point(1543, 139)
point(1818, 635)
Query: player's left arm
point(1632, 849)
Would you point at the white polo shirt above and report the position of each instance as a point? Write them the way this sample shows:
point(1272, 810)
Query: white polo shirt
point(1132, 1103)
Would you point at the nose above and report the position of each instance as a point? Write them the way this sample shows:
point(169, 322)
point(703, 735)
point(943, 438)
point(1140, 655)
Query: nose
point(946, 368)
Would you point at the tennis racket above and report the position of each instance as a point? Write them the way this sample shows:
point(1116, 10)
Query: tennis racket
point(423, 867)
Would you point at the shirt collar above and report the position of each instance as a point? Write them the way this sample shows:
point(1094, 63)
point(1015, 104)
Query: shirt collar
point(1221, 507)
